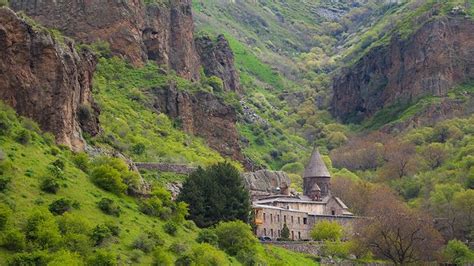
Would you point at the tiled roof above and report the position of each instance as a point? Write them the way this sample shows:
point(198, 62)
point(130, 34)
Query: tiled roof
point(316, 166)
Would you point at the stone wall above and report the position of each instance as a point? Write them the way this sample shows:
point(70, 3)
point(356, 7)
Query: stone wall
point(166, 167)
point(307, 247)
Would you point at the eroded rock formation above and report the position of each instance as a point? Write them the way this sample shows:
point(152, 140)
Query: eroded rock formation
point(264, 183)
point(204, 115)
point(47, 79)
point(431, 61)
point(135, 31)
point(217, 59)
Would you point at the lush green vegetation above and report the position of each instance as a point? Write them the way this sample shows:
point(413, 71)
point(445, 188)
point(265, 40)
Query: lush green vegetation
point(130, 124)
point(216, 194)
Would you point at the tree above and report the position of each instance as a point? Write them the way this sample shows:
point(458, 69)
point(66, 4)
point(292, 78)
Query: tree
point(458, 253)
point(285, 232)
point(236, 239)
point(395, 232)
point(400, 160)
point(434, 155)
point(216, 194)
point(327, 230)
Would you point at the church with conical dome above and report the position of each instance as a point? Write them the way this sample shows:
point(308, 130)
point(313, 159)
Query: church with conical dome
point(299, 212)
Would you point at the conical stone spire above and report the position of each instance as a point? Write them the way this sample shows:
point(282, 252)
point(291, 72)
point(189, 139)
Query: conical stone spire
point(316, 166)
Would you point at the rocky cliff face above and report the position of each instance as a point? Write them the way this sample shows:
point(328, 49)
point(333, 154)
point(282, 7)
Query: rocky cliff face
point(47, 79)
point(217, 60)
point(135, 31)
point(263, 183)
point(204, 115)
point(434, 59)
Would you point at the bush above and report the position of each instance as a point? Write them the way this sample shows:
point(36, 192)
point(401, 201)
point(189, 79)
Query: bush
point(5, 214)
point(79, 243)
point(42, 228)
point(458, 253)
point(236, 239)
point(4, 181)
point(336, 249)
point(29, 258)
point(23, 137)
point(60, 206)
point(327, 230)
point(100, 233)
point(205, 254)
point(14, 240)
point(170, 228)
point(108, 179)
point(73, 223)
point(5, 123)
point(50, 185)
point(65, 257)
point(207, 236)
point(179, 248)
point(144, 243)
point(138, 148)
point(109, 206)
point(103, 258)
point(162, 258)
point(81, 161)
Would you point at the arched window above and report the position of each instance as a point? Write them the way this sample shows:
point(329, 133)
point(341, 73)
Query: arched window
point(265, 231)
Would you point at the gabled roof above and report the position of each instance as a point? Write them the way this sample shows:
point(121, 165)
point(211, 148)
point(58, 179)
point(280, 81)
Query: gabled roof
point(316, 166)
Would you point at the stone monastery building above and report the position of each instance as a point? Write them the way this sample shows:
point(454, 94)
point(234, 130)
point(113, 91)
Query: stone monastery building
point(301, 212)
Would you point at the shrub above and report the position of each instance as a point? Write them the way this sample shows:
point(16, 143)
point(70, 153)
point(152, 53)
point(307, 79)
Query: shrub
point(179, 247)
point(144, 243)
point(138, 148)
point(14, 240)
point(50, 185)
point(43, 230)
point(285, 232)
point(29, 258)
point(206, 254)
point(81, 161)
point(59, 163)
point(103, 258)
point(207, 236)
point(236, 239)
point(65, 257)
point(170, 228)
point(84, 113)
point(458, 253)
point(72, 223)
point(4, 181)
point(60, 206)
point(23, 137)
point(109, 206)
point(100, 233)
point(162, 258)
point(108, 179)
point(336, 249)
point(5, 123)
point(327, 230)
point(79, 243)
point(5, 214)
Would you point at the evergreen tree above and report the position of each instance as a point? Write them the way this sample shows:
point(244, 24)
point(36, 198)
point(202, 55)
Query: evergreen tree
point(216, 194)
point(285, 232)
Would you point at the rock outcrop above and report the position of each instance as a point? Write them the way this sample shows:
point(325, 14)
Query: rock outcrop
point(202, 114)
point(263, 183)
point(435, 58)
point(217, 59)
point(47, 79)
point(134, 30)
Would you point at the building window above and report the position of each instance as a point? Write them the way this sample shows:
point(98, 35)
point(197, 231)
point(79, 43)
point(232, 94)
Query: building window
point(299, 221)
point(299, 235)
point(278, 217)
point(271, 232)
point(291, 219)
point(264, 231)
point(284, 218)
point(271, 218)
point(264, 217)
point(293, 235)
point(279, 233)
point(333, 212)
point(305, 220)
